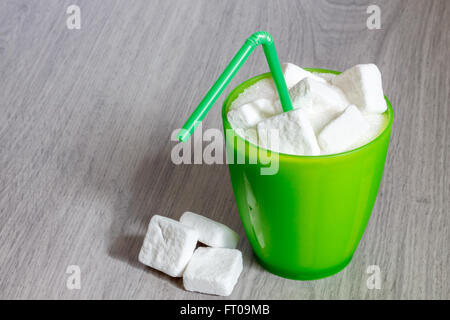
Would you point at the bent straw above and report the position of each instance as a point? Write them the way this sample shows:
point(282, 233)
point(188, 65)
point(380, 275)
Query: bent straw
point(235, 64)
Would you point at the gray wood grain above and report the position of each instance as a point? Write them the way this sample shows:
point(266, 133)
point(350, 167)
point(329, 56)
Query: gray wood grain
point(85, 123)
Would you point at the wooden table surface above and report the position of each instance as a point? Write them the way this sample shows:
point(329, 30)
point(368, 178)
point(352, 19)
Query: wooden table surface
point(86, 118)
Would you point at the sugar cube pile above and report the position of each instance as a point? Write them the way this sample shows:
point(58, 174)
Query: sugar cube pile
point(170, 247)
point(332, 113)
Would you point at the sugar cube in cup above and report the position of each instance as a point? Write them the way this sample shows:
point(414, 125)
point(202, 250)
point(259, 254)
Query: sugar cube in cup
point(168, 245)
point(249, 114)
point(213, 271)
point(293, 74)
point(312, 94)
point(343, 131)
point(210, 232)
point(322, 101)
point(363, 88)
point(289, 132)
point(377, 122)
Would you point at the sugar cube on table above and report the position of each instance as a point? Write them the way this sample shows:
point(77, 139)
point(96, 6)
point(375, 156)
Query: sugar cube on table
point(213, 271)
point(342, 132)
point(289, 132)
point(249, 114)
point(210, 232)
point(168, 245)
point(293, 74)
point(363, 87)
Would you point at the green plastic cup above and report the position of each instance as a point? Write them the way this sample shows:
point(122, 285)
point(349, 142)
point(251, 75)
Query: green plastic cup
point(306, 221)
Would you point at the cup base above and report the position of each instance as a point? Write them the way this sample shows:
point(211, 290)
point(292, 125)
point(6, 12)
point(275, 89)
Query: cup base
point(304, 275)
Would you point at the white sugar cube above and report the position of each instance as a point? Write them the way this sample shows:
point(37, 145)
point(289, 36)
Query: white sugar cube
point(210, 232)
point(249, 114)
point(377, 123)
point(310, 93)
point(363, 87)
point(321, 101)
point(343, 131)
point(320, 118)
point(289, 132)
point(293, 74)
point(168, 245)
point(213, 271)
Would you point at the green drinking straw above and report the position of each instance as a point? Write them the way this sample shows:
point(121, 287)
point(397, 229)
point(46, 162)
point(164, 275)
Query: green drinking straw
point(235, 64)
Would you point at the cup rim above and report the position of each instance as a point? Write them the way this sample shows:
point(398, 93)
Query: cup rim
point(244, 85)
